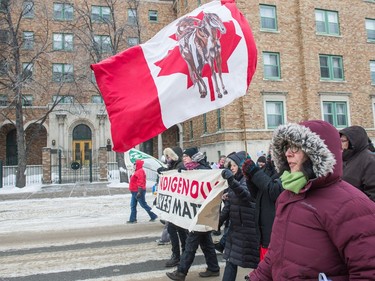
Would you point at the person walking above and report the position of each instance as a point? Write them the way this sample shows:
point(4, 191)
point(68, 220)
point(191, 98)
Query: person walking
point(359, 162)
point(265, 188)
point(137, 187)
point(177, 235)
point(241, 244)
point(322, 224)
point(195, 160)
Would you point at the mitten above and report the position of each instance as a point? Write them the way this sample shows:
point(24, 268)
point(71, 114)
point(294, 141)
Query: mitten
point(249, 168)
point(227, 175)
point(161, 169)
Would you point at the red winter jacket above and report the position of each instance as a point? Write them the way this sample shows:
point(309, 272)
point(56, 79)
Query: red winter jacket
point(138, 179)
point(329, 226)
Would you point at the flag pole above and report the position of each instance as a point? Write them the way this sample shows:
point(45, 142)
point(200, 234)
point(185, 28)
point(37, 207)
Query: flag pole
point(244, 123)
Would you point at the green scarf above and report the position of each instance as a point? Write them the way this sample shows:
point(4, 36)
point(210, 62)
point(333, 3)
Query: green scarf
point(293, 182)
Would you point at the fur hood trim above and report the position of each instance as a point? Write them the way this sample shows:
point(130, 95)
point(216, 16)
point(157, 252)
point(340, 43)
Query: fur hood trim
point(170, 153)
point(322, 158)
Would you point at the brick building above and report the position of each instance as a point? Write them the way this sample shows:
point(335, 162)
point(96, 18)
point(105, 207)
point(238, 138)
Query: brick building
point(316, 60)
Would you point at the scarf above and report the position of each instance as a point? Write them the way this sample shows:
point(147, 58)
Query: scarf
point(191, 165)
point(293, 182)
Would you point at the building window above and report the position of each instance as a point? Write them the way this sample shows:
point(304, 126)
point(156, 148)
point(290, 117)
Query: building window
point(62, 72)
point(97, 99)
point(3, 100)
point(153, 15)
point(336, 113)
point(28, 9)
point(63, 41)
point(204, 123)
point(268, 17)
point(27, 71)
point(4, 5)
point(132, 41)
point(218, 116)
point(274, 114)
point(370, 29)
point(3, 67)
point(62, 11)
point(372, 71)
point(28, 40)
point(27, 100)
point(327, 22)
point(4, 36)
point(271, 64)
point(191, 130)
point(62, 99)
point(100, 13)
point(132, 16)
point(103, 43)
point(331, 67)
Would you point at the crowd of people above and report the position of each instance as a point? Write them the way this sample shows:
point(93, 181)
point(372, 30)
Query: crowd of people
point(304, 209)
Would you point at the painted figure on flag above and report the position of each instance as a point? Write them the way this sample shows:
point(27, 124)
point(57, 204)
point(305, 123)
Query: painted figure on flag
point(199, 44)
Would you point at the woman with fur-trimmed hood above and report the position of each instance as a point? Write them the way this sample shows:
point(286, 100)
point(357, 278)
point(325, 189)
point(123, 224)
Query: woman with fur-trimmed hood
point(322, 224)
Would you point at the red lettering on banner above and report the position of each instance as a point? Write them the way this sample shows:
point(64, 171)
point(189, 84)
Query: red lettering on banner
point(187, 187)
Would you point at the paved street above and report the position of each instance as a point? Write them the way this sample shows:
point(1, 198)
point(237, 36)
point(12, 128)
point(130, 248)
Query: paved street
point(79, 233)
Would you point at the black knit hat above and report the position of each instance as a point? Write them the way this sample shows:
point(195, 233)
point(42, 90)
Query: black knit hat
point(239, 157)
point(191, 151)
point(261, 159)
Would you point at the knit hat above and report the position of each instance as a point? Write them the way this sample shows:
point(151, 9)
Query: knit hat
point(261, 159)
point(239, 157)
point(190, 151)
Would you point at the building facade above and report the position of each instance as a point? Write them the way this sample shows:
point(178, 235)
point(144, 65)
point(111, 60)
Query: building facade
point(316, 60)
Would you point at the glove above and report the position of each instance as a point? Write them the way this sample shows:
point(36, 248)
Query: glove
point(161, 169)
point(227, 175)
point(139, 194)
point(249, 168)
point(181, 169)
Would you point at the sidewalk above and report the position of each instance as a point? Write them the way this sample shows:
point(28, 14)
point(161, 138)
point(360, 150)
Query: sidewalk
point(80, 189)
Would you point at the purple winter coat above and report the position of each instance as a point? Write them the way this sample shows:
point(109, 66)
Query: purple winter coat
point(329, 226)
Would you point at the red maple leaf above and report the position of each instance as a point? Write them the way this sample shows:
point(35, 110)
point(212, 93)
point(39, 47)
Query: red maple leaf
point(173, 62)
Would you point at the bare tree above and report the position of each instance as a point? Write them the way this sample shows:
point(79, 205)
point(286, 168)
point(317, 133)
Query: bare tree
point(17, 79)
point(102, 32)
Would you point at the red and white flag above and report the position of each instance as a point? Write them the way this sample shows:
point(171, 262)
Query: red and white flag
point(198, 63)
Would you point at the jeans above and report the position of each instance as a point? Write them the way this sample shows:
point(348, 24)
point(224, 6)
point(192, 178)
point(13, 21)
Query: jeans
point(230, 272)
point(142, 201)
point(204, 240)
point(177, 234)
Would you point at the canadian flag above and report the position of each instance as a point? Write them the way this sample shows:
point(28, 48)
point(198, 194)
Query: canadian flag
point(198, 63)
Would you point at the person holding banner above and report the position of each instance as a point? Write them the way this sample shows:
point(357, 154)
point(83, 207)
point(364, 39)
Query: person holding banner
point(137, 187)
point(322, 223)
point(177, 234)
point(241, 245)
point(195, 160)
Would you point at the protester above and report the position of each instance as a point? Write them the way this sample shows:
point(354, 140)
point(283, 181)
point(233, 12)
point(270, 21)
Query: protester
point(322, 224)
point(137, 187)
point(359, 162)
point(164, 237)
point(177, 234)
point(241, 245)
point(220, 163)
point(265, 189)
point(195, 160)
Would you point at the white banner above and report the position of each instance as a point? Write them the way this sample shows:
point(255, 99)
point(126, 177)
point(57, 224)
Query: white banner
point(191, 199)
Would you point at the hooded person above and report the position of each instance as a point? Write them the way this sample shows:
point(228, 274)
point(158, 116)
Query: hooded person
point(241, 242)
point(137, 188)
point(323, 224)
point(359, 162)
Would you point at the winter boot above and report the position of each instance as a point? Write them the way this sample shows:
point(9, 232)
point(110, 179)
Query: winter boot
point(174, 261)
point(209, 273)
point(176, 275)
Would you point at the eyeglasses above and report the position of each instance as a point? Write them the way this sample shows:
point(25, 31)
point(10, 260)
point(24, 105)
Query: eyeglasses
point(293, 148)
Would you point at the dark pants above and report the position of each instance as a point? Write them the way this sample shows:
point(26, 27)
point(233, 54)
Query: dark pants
point(230, 272)
point(204, 240)
point(142, 201)
point(177, 234)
